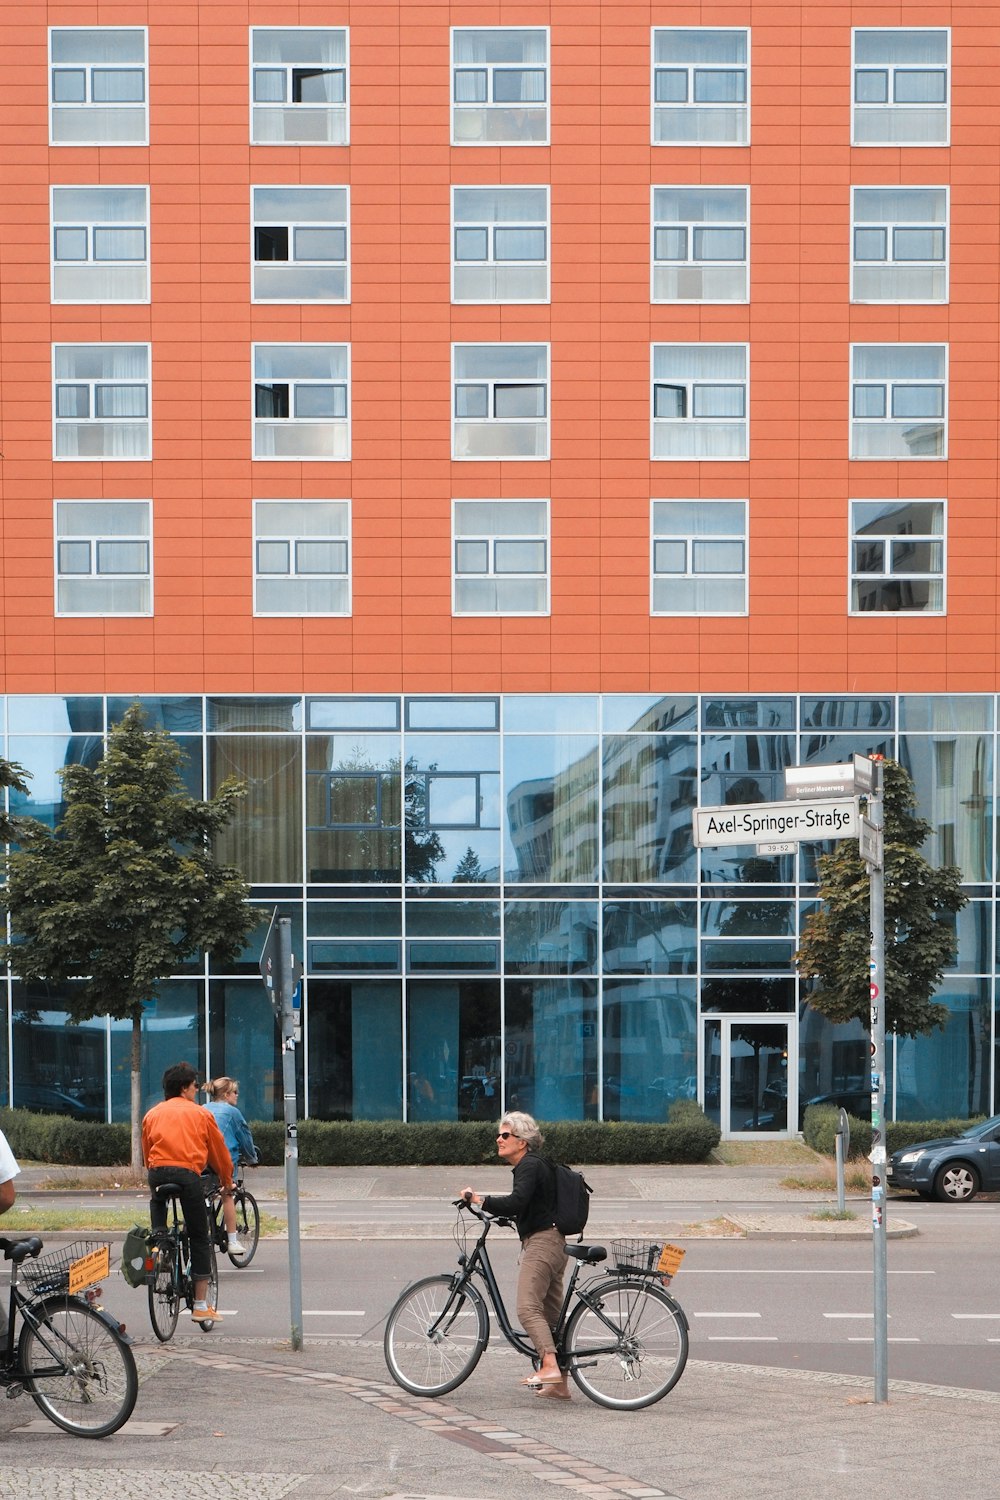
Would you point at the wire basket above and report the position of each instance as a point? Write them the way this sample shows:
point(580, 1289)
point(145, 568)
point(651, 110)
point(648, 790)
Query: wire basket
point(636, 1257)
point(51, 1272)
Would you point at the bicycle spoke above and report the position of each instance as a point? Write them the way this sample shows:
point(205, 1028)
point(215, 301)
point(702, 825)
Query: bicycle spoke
point(640, 1357)
point(434, 1337)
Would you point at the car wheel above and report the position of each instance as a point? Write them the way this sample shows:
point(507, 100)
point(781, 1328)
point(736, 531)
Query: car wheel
point(957, 1183)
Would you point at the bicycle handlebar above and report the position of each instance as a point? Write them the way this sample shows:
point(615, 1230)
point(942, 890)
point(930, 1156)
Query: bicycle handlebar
point(481, 1214)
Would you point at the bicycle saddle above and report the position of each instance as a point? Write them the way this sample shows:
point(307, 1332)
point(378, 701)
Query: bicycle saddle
point(168, 1190)
point(18, 1250)
point(592, 1254)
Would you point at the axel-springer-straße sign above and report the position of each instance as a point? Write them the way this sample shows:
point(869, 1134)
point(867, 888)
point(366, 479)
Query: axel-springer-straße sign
point(786, 822)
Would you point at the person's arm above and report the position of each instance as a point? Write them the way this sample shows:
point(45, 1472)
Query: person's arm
point(243, 1137)
point(7, 1195)
point(510, 1205)
point(218, 1152)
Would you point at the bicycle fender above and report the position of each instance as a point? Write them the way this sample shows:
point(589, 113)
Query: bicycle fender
point(106, 1318)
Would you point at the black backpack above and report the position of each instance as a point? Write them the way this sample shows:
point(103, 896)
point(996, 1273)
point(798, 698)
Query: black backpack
point(572, 1195)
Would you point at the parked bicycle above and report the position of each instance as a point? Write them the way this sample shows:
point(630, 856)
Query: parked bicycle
point(620, 1334)
point(170, 1281)
point(70, 1356)
point(247, 1219)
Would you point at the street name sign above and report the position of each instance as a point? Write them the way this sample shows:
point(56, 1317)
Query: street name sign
point(775, 822)
point(839, 780)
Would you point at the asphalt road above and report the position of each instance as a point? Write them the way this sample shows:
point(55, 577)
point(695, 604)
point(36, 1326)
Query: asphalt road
point(793, 1304)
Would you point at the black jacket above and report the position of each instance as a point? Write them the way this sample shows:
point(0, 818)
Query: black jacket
point(531, 1203)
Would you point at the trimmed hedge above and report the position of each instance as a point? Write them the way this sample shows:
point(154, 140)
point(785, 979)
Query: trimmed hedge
point(688, 1137)
point(819, 1128)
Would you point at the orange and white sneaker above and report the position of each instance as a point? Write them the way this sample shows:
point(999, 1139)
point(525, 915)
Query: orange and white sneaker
point(205, 1315)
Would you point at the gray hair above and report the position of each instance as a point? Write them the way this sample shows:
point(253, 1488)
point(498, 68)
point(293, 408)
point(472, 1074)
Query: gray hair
point(525, 1127)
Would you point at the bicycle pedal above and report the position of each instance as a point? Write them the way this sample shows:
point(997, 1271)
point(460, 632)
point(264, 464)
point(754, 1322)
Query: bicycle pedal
point(14, 1390)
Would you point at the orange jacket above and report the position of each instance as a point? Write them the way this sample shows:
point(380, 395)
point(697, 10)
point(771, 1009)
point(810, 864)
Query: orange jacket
point(179, 1133)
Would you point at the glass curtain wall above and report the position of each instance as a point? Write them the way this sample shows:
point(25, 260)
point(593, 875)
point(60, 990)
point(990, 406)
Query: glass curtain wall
point(498, 903)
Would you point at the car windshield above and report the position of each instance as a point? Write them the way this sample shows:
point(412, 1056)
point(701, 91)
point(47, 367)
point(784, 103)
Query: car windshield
point(982, 1127)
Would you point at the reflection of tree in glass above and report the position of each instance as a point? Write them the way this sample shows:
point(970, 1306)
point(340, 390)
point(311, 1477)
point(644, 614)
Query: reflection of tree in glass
point(468, 868)
point(423, 849)
point(364, 802)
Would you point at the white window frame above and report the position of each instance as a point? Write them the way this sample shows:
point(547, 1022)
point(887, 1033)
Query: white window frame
point(890, 228)
point(93, 420)
point(889, 145)
point(490, 420)
point(292, 225)
point(691, 103)
point(491, 227)
point(289, 103)
point(94, 541)
point(690, 385)
point(489, 103)
point(690, 226)
point(293, 382)
point(890, 384)
point(491, 571)
point(293, 539)
point(888, 575)
point(89, 103)
point(691, 572)
point(90, 227)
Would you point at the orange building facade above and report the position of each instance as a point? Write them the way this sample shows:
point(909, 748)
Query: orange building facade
point(491, 430)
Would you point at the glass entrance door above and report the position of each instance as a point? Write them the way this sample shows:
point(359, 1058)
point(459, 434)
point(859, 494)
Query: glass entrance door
point(758, 1075)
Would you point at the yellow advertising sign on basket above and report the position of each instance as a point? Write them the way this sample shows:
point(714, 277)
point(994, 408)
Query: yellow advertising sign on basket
point(670, 1259)
point(89, 1269)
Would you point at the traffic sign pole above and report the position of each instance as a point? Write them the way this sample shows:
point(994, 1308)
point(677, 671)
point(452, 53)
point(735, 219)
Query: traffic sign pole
point(876, 886)
point(282, 977)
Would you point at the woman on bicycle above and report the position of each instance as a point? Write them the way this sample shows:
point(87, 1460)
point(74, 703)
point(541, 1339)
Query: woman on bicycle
point(531, 1204)
point(222, 1096)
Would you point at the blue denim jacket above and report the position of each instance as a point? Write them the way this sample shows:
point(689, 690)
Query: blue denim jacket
point(235, 1131)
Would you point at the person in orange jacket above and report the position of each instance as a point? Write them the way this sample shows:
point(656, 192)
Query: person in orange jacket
point(179, 1140)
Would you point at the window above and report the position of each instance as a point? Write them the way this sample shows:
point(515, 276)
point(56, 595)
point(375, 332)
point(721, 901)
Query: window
point(301, 401)
point(897, 556)
point(699, 557)
point(701, 87)
point(101, 401)
point(98, 86)
point(103, 562)
point(700, 401)
point(500, 244)
point(300, 244)
point(500, 86)
point(100, 244)
point(501, 401)
point(900, 88)
point(302, 560)
point(501, 557)
point(700, 244)
point(899, 250)
point(898, 399)
point(298, 86)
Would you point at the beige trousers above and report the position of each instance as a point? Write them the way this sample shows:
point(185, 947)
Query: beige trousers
point(540, 1287)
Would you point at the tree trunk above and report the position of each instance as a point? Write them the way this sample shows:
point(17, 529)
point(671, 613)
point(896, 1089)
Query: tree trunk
point(136, 1093)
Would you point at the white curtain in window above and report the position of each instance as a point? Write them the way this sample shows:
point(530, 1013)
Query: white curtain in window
point(504, 45)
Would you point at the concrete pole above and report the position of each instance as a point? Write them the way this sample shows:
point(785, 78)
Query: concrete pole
point(876, 879)
point(286, 981)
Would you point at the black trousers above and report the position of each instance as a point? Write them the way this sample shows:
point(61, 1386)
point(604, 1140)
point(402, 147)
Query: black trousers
point(192, 1200)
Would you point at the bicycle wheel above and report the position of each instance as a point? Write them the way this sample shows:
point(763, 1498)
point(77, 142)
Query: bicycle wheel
point(247, 1226)
point(211, 1295)
point(628, 1349)
point(77, 1368)
point(164, 1295)
point(434, 1336)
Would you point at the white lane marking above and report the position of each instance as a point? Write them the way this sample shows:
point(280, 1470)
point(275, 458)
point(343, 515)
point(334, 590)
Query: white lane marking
point(727, 1315)
point(766, 1271)
point(853, 1315)
point(323, 1312)
point(977, 1317)
point(857, 1339)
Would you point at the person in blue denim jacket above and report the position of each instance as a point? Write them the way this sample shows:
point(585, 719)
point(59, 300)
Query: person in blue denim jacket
point(223, 1094)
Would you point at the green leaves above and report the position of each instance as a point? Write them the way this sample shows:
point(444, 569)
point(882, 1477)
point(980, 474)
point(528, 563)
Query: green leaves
point(920, 902)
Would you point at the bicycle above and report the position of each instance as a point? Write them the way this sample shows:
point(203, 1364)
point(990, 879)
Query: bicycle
point(621, 1335)
point(169, 1270)
point(247, 1219)
point(70, 1356)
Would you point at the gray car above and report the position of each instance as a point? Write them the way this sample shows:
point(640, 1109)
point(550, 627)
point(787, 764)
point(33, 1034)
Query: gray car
point(954, 1168)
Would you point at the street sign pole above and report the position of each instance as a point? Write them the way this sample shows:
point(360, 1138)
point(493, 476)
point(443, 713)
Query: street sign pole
point(876, 882)
point(281, 976)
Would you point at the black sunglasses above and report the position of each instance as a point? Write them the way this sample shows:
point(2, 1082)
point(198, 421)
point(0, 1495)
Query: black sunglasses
point(505, 1135)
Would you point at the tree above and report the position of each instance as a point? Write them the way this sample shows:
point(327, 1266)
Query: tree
point(125, 889)
point(16, 778)
point(919, 935)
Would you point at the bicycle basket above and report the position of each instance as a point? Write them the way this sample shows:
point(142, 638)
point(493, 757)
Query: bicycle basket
point(69, 1269)
point(636, 1257)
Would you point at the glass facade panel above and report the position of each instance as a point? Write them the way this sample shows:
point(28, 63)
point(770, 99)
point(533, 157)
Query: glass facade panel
point(551, 1048)
point(650, 1047)
point(356, 1049)
point(453, 1049)
point(264, 838)
point(244, 1043)
point(650, 937)
point(650, 791)
point(59, 1068)
point(551, 798)
point(173, 1030)
point(550, 937)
